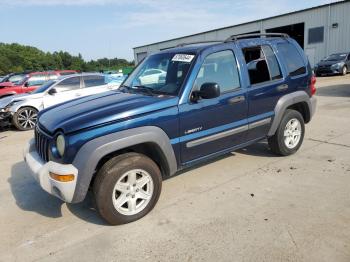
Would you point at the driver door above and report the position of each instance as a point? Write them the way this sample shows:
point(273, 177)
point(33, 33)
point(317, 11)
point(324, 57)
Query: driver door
point(65, 90)
point(210, 126)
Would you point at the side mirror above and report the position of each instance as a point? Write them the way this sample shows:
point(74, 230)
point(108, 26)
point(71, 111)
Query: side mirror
point(52, 91)
point(26, 84)
point(207, 91)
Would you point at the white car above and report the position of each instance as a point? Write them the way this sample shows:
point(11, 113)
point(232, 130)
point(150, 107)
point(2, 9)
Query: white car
point(152, 76)
point(22, 109)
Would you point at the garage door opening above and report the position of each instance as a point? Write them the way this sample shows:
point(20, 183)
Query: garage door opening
point(296, 31)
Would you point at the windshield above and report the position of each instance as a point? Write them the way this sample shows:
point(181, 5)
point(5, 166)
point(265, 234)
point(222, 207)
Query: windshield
point(336, 57)
point(44, 87)
point(16, 79)
point(160, 73)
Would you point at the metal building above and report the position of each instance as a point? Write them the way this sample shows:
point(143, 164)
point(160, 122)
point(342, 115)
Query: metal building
point(320, 30)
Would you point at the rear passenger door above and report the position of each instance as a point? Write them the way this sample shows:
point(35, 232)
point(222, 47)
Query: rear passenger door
point(209, 126)
point(94, 84)
point(267, 85)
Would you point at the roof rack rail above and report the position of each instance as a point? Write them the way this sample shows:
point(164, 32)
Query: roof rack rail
point(236, 37)
point(200, 42)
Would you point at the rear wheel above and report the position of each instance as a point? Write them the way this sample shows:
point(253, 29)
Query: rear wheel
point(126, 188)
point(25, 118)
point(289, 134)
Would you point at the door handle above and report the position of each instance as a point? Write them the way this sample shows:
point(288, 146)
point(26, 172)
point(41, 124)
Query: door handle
point(282, 87)
point(236, 100)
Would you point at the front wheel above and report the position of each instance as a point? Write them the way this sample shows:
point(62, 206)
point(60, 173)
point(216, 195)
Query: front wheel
point(126, 188)
point(289, 134)
point(344, 70)
point(25, 118)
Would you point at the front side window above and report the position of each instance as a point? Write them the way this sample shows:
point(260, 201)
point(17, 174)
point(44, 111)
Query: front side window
point(44, 87)
point(220, 68)
point(91, 81)
point(294, 62)
point(160, 73)
point(69, 84)
point(262, 64)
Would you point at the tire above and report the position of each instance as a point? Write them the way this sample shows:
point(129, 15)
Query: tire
point(344, 70)
point(25, 118)
point(286, 141)
point(118, 199)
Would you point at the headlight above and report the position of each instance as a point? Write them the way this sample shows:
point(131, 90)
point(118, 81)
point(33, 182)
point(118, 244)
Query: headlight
point(60, 144)
point(337, 65)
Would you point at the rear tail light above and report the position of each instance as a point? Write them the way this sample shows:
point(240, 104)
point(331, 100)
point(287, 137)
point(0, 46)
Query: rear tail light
point(313, 85)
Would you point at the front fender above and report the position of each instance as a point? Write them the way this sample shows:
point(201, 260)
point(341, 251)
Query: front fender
point(93, 151)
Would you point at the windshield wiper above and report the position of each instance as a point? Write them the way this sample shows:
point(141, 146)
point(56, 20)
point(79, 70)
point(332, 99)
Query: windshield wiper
point(144, 89)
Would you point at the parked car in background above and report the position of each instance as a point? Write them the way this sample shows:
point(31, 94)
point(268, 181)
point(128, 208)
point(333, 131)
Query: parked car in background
point(152, 76)
point(25, 83)
point(123, 144)
point(334, 64)
point(22, 109)
point(14, 77)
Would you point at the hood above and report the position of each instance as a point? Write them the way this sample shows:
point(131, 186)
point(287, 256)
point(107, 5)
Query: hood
point(21, 97)
point(100, 109)
point(6, 84)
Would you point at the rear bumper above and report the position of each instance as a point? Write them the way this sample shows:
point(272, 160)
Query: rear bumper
point(313, 103)
point(41, 172)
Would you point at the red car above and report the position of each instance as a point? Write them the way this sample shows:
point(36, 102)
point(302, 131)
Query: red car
point(29, 82)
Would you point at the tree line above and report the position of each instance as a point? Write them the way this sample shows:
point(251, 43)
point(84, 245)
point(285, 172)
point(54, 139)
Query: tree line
point(18, 58)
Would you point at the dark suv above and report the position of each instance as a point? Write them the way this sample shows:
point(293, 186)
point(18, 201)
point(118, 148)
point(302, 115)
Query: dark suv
point(208, 100)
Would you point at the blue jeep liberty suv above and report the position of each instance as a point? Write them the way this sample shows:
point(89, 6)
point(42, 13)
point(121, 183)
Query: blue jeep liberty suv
point(179, 107)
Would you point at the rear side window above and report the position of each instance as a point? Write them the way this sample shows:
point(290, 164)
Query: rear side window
point(262, 64)
point(91, 81)
point(220, 68)
point(37, 80)
point(294, 61)
point(272, 63)
point(69, 84)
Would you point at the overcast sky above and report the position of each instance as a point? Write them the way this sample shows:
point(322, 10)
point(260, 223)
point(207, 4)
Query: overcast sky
point(110, 28)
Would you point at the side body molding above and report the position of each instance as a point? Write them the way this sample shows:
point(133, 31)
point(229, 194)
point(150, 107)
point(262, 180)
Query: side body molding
point(287, 100)
point(93, 151)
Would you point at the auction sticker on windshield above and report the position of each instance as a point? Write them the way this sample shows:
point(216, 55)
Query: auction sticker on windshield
point(182, 58)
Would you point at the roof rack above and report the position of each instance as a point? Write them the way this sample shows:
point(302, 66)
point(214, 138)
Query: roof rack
point(236, 37)
point(200, 42)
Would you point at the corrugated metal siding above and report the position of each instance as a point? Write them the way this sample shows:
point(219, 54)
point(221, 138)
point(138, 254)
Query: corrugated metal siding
point(335, 39)
point(339, 39)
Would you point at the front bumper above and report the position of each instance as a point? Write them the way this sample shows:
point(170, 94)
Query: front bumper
point(5, 118)
point(327, 71)
point(41, 172)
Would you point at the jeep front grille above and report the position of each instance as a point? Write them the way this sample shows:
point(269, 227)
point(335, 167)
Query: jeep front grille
point(42, 145)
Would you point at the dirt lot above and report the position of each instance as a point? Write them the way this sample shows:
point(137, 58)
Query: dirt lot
point(246, 206)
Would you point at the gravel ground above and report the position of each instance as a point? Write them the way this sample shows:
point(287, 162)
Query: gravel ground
point(246, 206)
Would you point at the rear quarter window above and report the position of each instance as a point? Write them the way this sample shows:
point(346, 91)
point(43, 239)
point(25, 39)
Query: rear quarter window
point(293, 59)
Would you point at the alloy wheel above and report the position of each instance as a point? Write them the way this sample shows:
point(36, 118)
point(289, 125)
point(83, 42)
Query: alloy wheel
point(27, 118)
point(292, 133)
point(132, 192)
